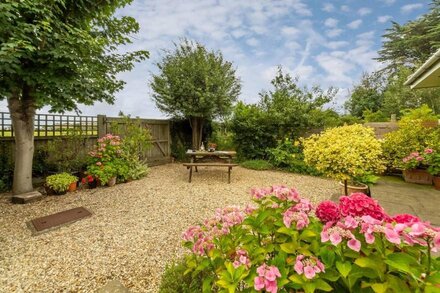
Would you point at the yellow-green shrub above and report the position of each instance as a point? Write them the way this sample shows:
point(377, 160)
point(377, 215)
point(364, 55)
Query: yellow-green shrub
point(345, 153)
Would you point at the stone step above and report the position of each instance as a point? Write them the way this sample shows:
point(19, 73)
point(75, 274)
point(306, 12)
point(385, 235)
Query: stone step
point(114, 286)
point(26, 197)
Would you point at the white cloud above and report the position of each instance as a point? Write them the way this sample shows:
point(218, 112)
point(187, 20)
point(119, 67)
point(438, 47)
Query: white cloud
point(252, 42)
point(384, 18)
point(410, 7)
point(331, 22)
point(345, 8)
point(333, 32)
point(364, 11)
point(290, 31)
point(354, 24)
point(328, 7)
point(336, 44)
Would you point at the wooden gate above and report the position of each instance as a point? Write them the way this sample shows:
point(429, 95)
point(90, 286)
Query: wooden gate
point(160, 152)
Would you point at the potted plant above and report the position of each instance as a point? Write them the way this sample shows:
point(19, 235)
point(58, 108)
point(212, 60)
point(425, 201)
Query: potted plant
point(212, 146)
point(415, 168)
point(348, 153)
point(59, 183)
point(433, 161)
point(89, 181)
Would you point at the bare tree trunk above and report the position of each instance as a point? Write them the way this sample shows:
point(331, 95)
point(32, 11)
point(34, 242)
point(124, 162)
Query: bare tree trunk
point(22, 110)
point(196, 126)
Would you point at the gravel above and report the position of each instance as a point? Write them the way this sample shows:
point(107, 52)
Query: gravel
point(134, 232)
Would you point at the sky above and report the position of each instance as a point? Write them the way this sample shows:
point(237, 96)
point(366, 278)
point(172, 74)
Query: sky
point(325, 43)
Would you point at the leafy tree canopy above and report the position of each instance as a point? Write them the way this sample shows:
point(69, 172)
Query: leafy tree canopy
point(413, 42)
point(63, 52)
point(195, 82)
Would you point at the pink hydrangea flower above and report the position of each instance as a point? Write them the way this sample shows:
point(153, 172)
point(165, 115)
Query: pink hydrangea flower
point(405, 219)
point(266, 279)
point(241, 258)
point(337, 233)
point(359, 204)
point(309, 266)
point(300, 218)
point(429, 151)
point(328, 211)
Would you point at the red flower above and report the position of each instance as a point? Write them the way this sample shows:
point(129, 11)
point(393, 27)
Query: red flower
point(328, 211)
point(359, 204)
point(90, 178)
point(405, 219)
point(83, 180)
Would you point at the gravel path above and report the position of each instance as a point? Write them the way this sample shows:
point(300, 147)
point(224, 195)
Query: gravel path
point(134, 232)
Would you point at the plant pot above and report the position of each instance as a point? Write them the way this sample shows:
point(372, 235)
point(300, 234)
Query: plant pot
point(359, 187)
point(73, 186)
point(112, 182)
point(419, 176)
point(93, 184)
point(436, 181)
point(49, 190)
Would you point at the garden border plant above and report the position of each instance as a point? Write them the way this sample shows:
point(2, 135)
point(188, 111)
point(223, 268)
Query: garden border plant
point(280, 245)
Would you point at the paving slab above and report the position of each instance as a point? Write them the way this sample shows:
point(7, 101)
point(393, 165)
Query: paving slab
point(114, 286)
point(397, 197)
point(26, 197)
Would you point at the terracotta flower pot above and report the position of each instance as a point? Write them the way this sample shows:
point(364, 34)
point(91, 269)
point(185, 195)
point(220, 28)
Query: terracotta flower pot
point(72, 186)
point(360, 187)
point(436, 180)
point(419, 176)
point(112, 182)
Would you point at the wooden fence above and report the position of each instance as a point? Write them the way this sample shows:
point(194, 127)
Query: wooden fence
point(50, 126)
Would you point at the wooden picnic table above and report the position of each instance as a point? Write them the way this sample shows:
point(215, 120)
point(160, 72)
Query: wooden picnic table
point(210, 159)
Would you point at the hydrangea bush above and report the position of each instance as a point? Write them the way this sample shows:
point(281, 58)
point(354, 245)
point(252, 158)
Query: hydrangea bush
point(284, 244)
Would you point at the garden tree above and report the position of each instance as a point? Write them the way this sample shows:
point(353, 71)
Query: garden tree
point(413, 42)
point(58, 53)
point(292, 106)
point(367, 95)
point(196, 84)
point(398, 97)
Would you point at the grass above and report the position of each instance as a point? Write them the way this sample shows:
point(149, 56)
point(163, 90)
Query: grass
point(256, 165)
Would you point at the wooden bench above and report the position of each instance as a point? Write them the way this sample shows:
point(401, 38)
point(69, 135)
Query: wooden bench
point(191, 165)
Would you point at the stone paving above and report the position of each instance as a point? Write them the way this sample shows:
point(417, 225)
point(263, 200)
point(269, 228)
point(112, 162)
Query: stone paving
point(397, 196)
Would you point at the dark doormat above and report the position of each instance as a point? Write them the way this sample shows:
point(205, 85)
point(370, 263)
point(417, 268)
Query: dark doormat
point(59, 219)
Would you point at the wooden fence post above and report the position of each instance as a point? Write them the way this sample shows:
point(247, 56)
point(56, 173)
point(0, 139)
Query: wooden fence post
point(102, 127)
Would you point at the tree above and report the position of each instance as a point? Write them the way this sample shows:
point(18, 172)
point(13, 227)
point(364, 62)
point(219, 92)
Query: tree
point(367, 95)
point(58, 53)
point(292, 106)
point(196, 84)
point(413, 42)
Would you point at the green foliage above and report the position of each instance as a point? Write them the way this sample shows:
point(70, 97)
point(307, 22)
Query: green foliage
point(194, 82)
point(367, 95)
point(67, 154)
point(345, 153)
point(412, 42)
point(412, 136)
point(289, 155)
point(60, 53)
point(176, 280)
point(286, 111)
point(256, 165)
point(254, 131)
point(222, 136)
point(377, 116)
point(60, 182)
point(433, 161)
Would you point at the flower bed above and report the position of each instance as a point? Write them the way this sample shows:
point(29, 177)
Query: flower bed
point(284, 244)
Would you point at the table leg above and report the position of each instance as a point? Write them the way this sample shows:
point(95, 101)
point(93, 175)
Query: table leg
point(229, 174)
point(190, 173)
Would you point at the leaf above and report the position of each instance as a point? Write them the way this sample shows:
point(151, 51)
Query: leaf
point(307, 234)
point(289, 247)
point(398, 285)
point(330, 274)
point(309, 287)
point(372, 262)
point(327, 256)
point(380, 287)
point(207, 285)
point(433, 278)
point(344, 268)
point(405, 263)
point(323, 285)
point(296, 279)
point(286, 231)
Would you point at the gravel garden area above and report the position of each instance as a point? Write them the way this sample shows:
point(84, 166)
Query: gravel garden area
point(134, 232)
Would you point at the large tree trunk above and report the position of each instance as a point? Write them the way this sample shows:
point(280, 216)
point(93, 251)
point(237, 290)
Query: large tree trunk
point(22, 110)
point(197, 127)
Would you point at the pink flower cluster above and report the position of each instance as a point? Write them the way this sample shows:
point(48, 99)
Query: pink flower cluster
point(413, 156)
point(298, 214)
point(336, 233)
point(203, 236)
point(328, 211)
point(359, 204)
point(103, 143)
point(267, 278)
point(309, 266)
point(280, 191)
point(241, 258)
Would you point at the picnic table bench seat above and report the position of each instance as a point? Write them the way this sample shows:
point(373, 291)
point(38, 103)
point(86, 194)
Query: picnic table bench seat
point(228, 165)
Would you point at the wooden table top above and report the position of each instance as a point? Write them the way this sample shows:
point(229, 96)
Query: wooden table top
point(215, 153)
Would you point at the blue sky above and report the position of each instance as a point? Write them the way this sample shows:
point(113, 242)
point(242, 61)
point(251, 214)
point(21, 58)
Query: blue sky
point(326, 43)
